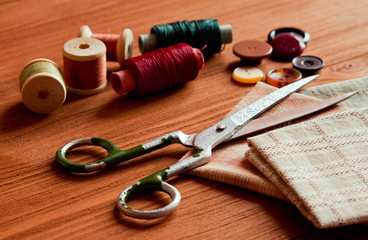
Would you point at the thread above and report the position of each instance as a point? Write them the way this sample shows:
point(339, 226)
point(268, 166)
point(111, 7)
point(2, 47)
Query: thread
point(198, 34)
point(158, 70)
point(41, 85)
point(84, 65)
point(118, 47)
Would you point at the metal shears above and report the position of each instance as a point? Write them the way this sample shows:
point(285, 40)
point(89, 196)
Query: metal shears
point(203, 143)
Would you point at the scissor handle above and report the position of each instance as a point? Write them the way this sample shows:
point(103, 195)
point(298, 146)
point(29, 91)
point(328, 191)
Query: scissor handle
point(115, 155)
point(155, 181)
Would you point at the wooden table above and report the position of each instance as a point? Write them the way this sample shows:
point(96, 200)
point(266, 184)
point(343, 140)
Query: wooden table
point(40, 201)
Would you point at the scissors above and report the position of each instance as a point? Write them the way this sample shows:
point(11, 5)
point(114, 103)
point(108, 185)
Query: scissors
point(202, 143)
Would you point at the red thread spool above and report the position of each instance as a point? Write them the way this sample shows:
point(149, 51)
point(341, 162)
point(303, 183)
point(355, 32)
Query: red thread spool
point(118, 47)
point(84, 65)
point(158, 70)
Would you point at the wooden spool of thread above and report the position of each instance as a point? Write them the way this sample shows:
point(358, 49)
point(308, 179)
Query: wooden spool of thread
point(42, 86)
point(199, 34)
point(85, 65)
point(118, 47)
point(158, 70)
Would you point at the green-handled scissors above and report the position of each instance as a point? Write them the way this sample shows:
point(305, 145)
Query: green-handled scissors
point(203, 143)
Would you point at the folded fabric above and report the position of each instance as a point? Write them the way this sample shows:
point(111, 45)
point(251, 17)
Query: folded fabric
point(228, 163)
point(320, 165)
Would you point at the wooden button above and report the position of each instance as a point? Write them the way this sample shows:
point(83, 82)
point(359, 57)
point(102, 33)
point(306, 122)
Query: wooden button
point(248, 75)
point(252, 50)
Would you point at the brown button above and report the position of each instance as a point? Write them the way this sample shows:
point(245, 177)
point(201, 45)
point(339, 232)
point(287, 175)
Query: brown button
point(252, 50)
point(280, 77)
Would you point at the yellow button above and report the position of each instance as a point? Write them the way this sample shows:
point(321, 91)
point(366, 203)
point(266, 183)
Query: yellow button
point(248, 74)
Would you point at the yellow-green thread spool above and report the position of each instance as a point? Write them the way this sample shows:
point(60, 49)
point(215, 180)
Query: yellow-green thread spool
point(42, 86)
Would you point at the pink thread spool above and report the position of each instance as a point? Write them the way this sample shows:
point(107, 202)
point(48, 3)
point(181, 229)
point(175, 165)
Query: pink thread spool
point(118, 47)
point(84, 65)
point(141, 81)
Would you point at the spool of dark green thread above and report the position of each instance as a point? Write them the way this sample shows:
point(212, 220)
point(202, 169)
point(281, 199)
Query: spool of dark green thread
point(202, 34)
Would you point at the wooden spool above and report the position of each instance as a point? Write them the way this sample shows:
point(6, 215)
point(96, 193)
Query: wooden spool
point(85, 65)
point(42, 86)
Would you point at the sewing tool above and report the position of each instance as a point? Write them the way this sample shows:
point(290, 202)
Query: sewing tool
point(280, 77)
point(248, 75)
point(42, 86)
point(118, 47)
point(85, 65)
point(202, 143)
point(251, 52)
point(157, 70)
point(207, 34)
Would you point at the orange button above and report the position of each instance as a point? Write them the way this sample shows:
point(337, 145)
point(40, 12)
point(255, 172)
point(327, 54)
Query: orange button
point(248, 75)
point(280, 77)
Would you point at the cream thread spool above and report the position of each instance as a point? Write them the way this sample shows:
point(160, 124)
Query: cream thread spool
point(124, 44)
point(85, 65)
point(42, 86)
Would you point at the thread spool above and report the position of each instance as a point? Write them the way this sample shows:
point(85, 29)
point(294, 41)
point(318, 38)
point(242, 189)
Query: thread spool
point(84, 65)
point(119, 47)
point(198, 34)
point(158, 70)
point(41, 86)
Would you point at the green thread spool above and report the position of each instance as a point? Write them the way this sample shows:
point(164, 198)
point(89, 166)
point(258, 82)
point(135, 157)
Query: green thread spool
point(42, 86)
point(206, 34)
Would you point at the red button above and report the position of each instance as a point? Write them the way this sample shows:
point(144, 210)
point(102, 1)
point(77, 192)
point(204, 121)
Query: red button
point(287, 46)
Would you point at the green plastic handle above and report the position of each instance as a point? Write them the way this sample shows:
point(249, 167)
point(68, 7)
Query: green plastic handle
point(155, 181)
point(114, 156)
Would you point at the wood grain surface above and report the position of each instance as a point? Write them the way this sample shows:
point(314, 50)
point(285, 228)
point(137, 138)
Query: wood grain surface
point(40, 201)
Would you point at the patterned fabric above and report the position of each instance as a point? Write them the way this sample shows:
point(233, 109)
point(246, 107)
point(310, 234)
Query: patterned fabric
point(320, 165)
point(228, 163)
point(359, 100)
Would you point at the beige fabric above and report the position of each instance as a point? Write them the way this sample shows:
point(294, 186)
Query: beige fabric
point(228, 163)
point(359, 100)
point(321, 165)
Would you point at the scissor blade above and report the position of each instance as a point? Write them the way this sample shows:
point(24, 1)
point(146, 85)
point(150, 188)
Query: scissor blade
point(264, 123)
point(227, 127)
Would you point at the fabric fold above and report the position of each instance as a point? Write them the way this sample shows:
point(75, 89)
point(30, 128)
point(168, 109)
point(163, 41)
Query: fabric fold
point(228, 164)
point(320, 165)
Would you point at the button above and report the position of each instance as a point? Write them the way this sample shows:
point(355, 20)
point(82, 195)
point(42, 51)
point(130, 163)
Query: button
point(286, 46)
point(280, 77)
point(289, 30)
point(252, 51)
point(248, 74)
point(308, 64)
